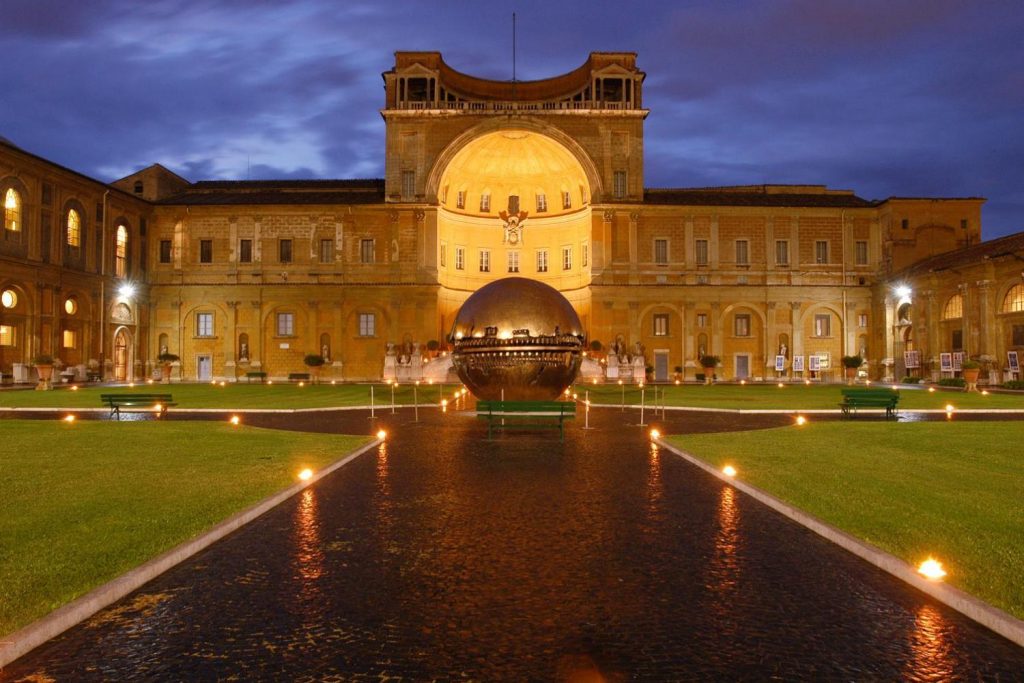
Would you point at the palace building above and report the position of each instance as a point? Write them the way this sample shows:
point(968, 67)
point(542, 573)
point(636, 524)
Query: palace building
point(483, 180)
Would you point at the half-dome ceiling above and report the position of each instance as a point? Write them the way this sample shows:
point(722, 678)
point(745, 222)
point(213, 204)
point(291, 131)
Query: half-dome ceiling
point(524, 164)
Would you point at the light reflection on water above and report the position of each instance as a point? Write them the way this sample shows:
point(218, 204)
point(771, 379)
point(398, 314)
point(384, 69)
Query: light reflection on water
point(929, 642)
point(724, 567)
point(309, 554)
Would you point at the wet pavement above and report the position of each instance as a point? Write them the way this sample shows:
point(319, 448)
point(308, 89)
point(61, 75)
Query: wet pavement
point(444, 556)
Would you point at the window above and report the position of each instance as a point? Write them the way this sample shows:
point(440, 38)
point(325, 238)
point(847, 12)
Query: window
point(165, 251)
point(513, 261)
point(326, 251)
point(702, 320)
point(741, 325)
point(485, 261)
point(701, 252)
point(586, 254)
point(460, 199)
point(366, 251)
point(12, 210)
point(367, 324)
point(9, 298)
point(823, 325)
point(661, 324)
point(285, 324)
point(69, 339)
point(1017, 338)
point(485, 203)
point(1014, 300)
point(204, 324)
point(408, 184)
point(74, 235)
point(444, 255)
point(6, 335)
point(542, 203)
point(957, 339)
point(862, 320)
point(821, 251)
point(206, 251)
point(121, 252)
point(138, 187)
point(566, 200)
point(742, 252)
point(245, 251)
point(460, 258)
point(781, 253)
point(542, 261)
point(905, 224)
point(566, 258)
point(954, 308)
point(71, 305)
point(619, 184)
point(661, 252)
point(284, 251)
point(861, 253)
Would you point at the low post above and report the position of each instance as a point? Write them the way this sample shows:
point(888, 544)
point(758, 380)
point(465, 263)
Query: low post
point(393, 396)
point(415, 402)
point(371, 401)
point(586, 424)
point(642, 392)
point(623, 387)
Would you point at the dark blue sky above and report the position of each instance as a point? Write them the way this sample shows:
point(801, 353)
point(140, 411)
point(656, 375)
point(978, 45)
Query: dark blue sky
point(919, 98)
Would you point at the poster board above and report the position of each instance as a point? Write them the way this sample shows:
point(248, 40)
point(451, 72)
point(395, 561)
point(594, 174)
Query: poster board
point(798, 363)
point(946, 362)
point(780, 363)
point(958, 361)
point(912, 359)
point(824, 361)
point(814, 363)
point(1012, 361)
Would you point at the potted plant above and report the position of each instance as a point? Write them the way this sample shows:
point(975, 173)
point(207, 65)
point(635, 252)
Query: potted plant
point(971, 370)
point(851, 363)
point(314, 362)
point(165, 360)
point(679, 372)
point(709, 363)
point(596, 346)
point(432, 348)
point(44, 366)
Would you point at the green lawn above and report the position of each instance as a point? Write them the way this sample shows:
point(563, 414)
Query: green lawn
point(788, 397)
point(82, 503)
point(950, 489)
point(237, 396)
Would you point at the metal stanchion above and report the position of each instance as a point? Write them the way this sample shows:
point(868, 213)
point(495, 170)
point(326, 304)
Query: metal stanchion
point(642, 393)
point(371, 402)
point(415, 401)
point(393, 383)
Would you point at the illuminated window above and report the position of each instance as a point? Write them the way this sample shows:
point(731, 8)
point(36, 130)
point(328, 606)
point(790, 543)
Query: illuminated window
point(542, 202)
point(702, 320)
point(74, 229)
point(566, 258)
point(701, 252)
point(485, 261)
point(566, 200)
point(742, 252)
point(460, 199)
point(12, 210)
point(741, 325)
point(586, 255)
point(121, 252)
point(1014, 301)
point(661, 252)
point(69, 339)
point(861, 254)
point(821, 252)
point(408, 184)
point(823, 325)
point(9, 298)
point(460, 258)
point(619, 184)
point(444, 255)
point(367, 324)
point(513, 261)
point(542, 261)
point(6, 335)
point(327, 251)
point(954, 308)
point(862, 320)
point(661, 324)
point(485, 203)
point(204, 324)
point(70, 305)
point(285, 324)
point(366, 251)
point(781, 253)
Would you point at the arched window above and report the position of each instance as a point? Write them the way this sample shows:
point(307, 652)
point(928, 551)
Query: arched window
point(954, 308)
point(1014, 301)
point(12, 210)
point(121, 252)
point(74, 229)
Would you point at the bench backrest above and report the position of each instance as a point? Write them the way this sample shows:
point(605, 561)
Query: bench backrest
point(135, 398)
point(557, 407)
point(869, 392)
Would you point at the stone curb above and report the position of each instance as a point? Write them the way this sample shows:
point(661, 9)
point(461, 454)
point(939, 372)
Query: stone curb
point(811, 411)
point(53, 624)
point(241, 411)
point(985, 614)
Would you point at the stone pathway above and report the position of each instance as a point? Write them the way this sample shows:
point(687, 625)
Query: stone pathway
point(444, 556)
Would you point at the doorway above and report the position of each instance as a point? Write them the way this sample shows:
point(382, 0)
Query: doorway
point(121, 359)
point(204, 368)
point(742, 366)
point(661, 366)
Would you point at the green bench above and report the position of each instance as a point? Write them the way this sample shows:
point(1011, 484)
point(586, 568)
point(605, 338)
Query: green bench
point(866, 397)
point(137, 403)
point(298, 376)
point(250, 376)
point(526, 415)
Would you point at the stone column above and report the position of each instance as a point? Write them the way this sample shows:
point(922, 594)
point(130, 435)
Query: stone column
point(634, 229)
point(986, 321)
point(889, 361)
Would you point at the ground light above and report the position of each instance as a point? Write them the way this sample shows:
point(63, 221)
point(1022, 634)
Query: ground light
point(69, 418)
point(807, 382)
point(382, 434)
point(235, 420)
point(306, 474)
point(743, 381)
point(780, 385)
point(801, 420)
point(149, 381)
point(74, 388)
point(931, 390)
point(931, 569)
point(729, 471)
point(984, 392)
point(655, 433)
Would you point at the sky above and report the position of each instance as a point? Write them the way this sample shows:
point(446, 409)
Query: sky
point(886, 98)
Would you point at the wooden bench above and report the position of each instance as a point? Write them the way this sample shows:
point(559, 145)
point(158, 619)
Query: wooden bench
point(298, 376)
point(93, 376)
point(137, 403)
point(526, 415)
point(866, 397)
point(250, 376)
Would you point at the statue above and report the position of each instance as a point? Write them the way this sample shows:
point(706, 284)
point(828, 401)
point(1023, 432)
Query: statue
point(243, 351)
point(638, 350)
point(783, 350)
point(701, 352)
point(163, 349)
point(325, 352)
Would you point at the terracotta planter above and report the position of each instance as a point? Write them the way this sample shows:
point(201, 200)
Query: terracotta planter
point(971, 377)
point(45, 373)
point(851, 374)
point(165, 373)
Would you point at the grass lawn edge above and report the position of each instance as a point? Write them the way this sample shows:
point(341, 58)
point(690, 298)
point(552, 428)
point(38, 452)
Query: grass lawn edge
point(983, 613)
point(24, 640)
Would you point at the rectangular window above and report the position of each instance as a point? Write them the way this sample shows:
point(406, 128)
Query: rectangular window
point(204, 324)
point(366, 251)
point(586, 254)
point(566, 200)
point(619, 184)
point(701, 252)
point(1017, 337)
point(327, 251)
point(741, 325)
point(781, 253)
point(460, 199)
point(958, 340)
point(460, 258)
point(367, 325)
point(513, 261)
point(206, 251)
point(6, 335)
point(408, 184)
point(661, 252)
point(904, 223)
point(742, 252)
point(485, 203)
point(823, 325)
point(542, 203)
point(284, 251)
point(542, 261)
point(661, 324)
point(862, 253)
point(862, 320)
point(69, 339)
point(245, 251)
point(566, 258)
point(485, 261)
point(285, 324)
point(165, 251)
point(444, 254)
point(702, 320)
point(513, 204)
point(821, 251)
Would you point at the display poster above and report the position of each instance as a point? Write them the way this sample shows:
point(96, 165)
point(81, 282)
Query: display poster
point(912, 359)
point(780, 363)
point(1014, 363)
point(798, 363)
point(814, 360)
point(958, 361)
point(946, 362)
point(824, 361)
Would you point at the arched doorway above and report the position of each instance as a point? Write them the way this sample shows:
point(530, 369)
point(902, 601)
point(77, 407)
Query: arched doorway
point(122, 355)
